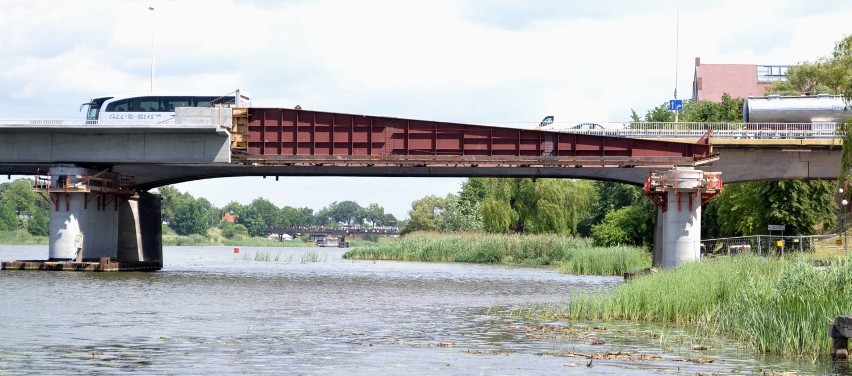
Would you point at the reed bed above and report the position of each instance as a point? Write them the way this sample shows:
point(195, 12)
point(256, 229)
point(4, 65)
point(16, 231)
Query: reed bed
point(771, 305)
point(22, 237)
point(573, 255)
point(606, 261)
point(268, 256)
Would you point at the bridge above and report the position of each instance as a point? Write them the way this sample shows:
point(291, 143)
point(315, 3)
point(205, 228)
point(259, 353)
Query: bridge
point(96, 174)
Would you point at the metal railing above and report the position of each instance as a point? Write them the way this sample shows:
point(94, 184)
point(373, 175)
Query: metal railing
point(762, 245)
point(686, 129)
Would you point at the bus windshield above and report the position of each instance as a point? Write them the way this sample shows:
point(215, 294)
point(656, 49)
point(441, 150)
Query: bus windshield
point(94, 107)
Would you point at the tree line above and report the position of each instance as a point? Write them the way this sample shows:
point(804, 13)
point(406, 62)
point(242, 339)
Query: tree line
point(187, 215)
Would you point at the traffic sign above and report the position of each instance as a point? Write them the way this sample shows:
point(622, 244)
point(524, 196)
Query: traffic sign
point(676, 105)
point(776, 227)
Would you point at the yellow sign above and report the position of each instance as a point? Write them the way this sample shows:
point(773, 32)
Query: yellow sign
point(780, 243)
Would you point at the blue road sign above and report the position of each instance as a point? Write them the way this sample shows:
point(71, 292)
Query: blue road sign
point(676, 105)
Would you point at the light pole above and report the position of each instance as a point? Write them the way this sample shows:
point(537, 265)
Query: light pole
point(152, 47)
point(841, 222)
point(843, 204)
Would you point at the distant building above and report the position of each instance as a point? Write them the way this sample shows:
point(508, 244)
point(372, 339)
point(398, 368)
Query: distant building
point(228, 218)
point(738, 80)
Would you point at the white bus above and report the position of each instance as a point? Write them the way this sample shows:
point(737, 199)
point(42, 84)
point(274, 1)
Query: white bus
point(157, 108)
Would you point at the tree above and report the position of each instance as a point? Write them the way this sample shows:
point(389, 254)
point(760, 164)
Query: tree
point(806, 78)
point(292, 217)
point(631, 225)
point(346, 212)
point(497, 215)
point(231, 230)
point(729, 110)
point(258, 215)
point(190, 217)
point(748, 208)
point(23, 208)
point(461, 215)
point(606, 197)
point(170, 199)
point(425, 214)
point(375, 214)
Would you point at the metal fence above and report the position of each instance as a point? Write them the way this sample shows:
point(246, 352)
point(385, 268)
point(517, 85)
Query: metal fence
point(762, 245)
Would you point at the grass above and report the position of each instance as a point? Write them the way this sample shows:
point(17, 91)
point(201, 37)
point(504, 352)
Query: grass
point(268, 256)
point(774, 306)
point(22, 237)
point(573, 255)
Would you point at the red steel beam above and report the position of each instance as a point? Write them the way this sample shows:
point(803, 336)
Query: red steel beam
point(277, 133)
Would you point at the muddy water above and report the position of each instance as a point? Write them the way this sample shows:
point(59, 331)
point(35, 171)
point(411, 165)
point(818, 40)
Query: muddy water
point(307, 311)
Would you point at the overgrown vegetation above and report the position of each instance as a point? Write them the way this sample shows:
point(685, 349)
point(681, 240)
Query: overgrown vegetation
point(573, 255)
point(22, 237)
point(772, 305)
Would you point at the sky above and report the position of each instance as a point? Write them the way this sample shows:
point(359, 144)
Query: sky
point(447, 60)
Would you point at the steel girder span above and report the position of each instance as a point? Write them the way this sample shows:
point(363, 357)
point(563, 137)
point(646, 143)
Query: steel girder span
point(286, 137)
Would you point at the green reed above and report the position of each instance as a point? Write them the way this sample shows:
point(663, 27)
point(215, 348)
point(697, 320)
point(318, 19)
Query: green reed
point(606, 261)
point(575, 255)
point(22, 237)
point(771, 305)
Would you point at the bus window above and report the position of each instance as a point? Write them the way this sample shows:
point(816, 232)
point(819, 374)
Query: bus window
point(174, 102)
point(119, 106)
point(203, 101)
point(149, 104)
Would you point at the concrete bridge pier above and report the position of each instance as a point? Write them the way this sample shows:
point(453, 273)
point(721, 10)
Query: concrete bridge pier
point(97, 216)
point(679, 194)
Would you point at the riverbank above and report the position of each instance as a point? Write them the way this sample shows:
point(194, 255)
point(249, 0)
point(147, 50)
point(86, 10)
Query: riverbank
point(773, 306)
point(571, 255)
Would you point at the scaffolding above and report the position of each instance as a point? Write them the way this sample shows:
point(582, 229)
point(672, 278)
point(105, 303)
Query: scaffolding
point(103, 187)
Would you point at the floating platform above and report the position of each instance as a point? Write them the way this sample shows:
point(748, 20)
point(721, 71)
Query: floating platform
point(102, 265)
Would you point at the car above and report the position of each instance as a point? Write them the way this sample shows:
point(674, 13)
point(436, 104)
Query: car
point(587, 127)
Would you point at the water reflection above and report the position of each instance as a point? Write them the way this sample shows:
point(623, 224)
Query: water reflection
point(210, 311)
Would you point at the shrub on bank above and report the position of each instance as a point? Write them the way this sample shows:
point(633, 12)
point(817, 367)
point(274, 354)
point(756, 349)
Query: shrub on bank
point(575, 255)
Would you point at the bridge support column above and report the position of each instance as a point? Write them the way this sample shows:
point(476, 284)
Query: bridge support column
point(679, 194)
point(97, 217)
point(84, 216)
point(140, 233)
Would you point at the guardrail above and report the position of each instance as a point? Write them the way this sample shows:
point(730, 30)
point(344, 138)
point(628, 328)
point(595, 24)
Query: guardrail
point(687, 129)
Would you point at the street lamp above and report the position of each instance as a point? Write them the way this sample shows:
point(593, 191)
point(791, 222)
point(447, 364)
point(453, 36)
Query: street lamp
point(152, 48)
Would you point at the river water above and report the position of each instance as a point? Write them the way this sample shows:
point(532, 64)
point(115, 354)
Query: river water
point(307, 311)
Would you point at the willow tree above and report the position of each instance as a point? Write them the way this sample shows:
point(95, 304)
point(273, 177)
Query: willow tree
point(533, 205)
